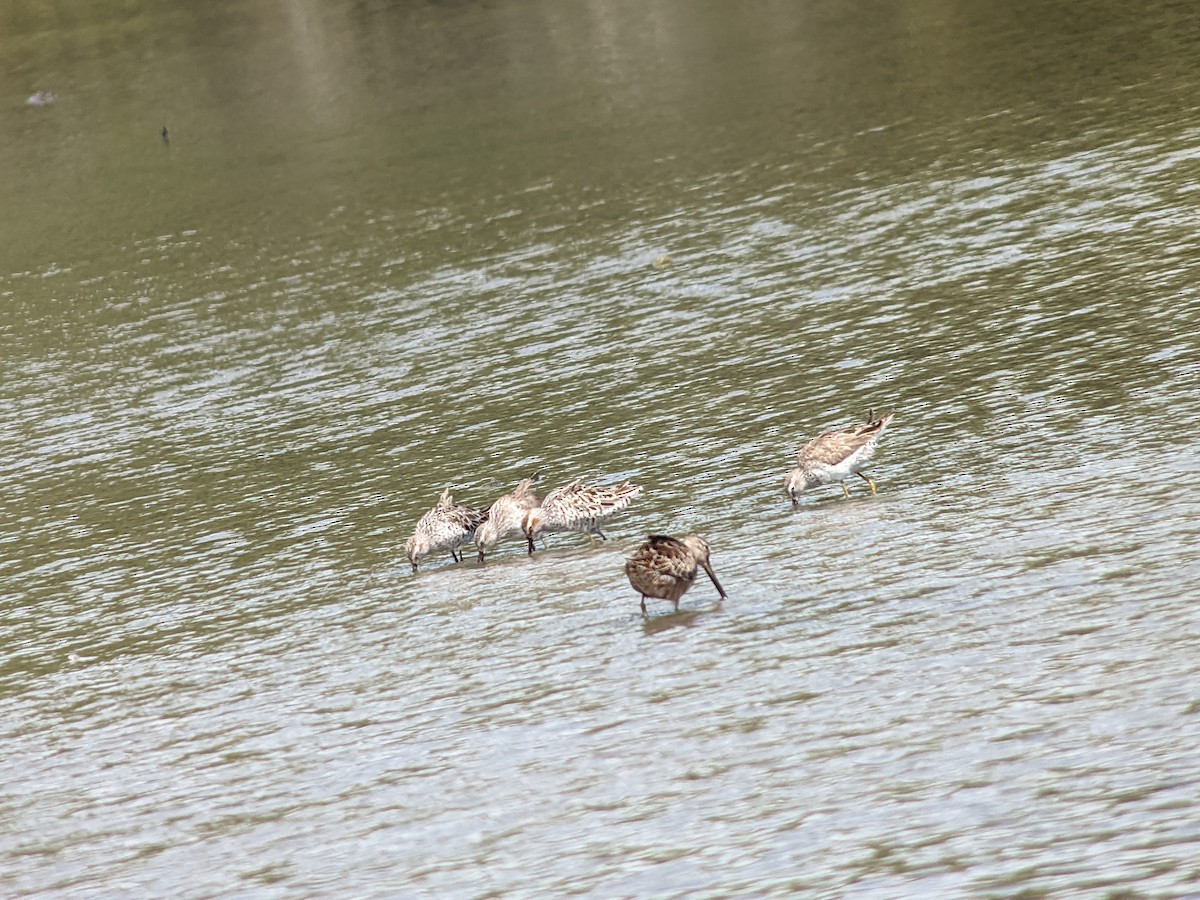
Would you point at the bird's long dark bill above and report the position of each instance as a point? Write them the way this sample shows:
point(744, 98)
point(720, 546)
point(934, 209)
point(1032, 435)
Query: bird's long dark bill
point(716, 584)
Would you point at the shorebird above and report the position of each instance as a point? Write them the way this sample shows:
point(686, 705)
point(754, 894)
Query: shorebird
point(506, 517)
point(665, 567)
point(447, 526)
point(577, 507)
point(835, 456)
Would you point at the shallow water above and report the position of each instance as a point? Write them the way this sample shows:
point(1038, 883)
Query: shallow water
point(391, 249)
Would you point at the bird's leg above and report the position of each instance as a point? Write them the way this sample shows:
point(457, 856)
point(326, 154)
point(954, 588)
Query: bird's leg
point(481, 556)
point(600, 534)
point(644, 605)
point(845, 490)
point(869, 480)
point(454, 556)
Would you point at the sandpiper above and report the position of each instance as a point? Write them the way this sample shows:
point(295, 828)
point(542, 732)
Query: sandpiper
point(665, 567)
point(448, 526)
point(577, 507)
point(506, 517)
point(835, 456)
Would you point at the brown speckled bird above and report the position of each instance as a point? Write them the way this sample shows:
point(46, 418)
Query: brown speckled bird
point(835, 456)
point(665, 567)
point(448, 526)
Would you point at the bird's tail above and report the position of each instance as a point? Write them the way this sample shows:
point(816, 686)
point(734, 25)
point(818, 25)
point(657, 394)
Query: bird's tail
point(525, 488)
point(621, 496)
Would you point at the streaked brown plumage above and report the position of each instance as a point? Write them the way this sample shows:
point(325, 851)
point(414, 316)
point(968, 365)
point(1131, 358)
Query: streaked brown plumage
point(665, 567)
point(448, 526)
point(506, 517)
point(835, 456)
point(577, 507)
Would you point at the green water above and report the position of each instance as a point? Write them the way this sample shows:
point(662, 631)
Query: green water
point(392, 248)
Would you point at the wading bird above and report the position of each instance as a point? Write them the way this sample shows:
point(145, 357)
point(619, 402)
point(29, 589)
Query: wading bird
point(835, 456)
point(506, 517)
point(665, 567)
point(448, 526)
point(577, 507)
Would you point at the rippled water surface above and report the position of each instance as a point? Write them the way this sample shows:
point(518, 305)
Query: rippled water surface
point(393, 248)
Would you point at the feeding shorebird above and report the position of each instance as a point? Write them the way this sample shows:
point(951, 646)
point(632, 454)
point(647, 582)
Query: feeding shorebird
point(577, 507)
point(448, 526)
point(506, 517)
point(665, 567)
point(835, 456)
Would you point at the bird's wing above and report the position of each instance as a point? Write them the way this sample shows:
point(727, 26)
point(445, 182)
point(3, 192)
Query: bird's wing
point(606, 501)
point(834, 446)
point(465, 517)
point(669, 556)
